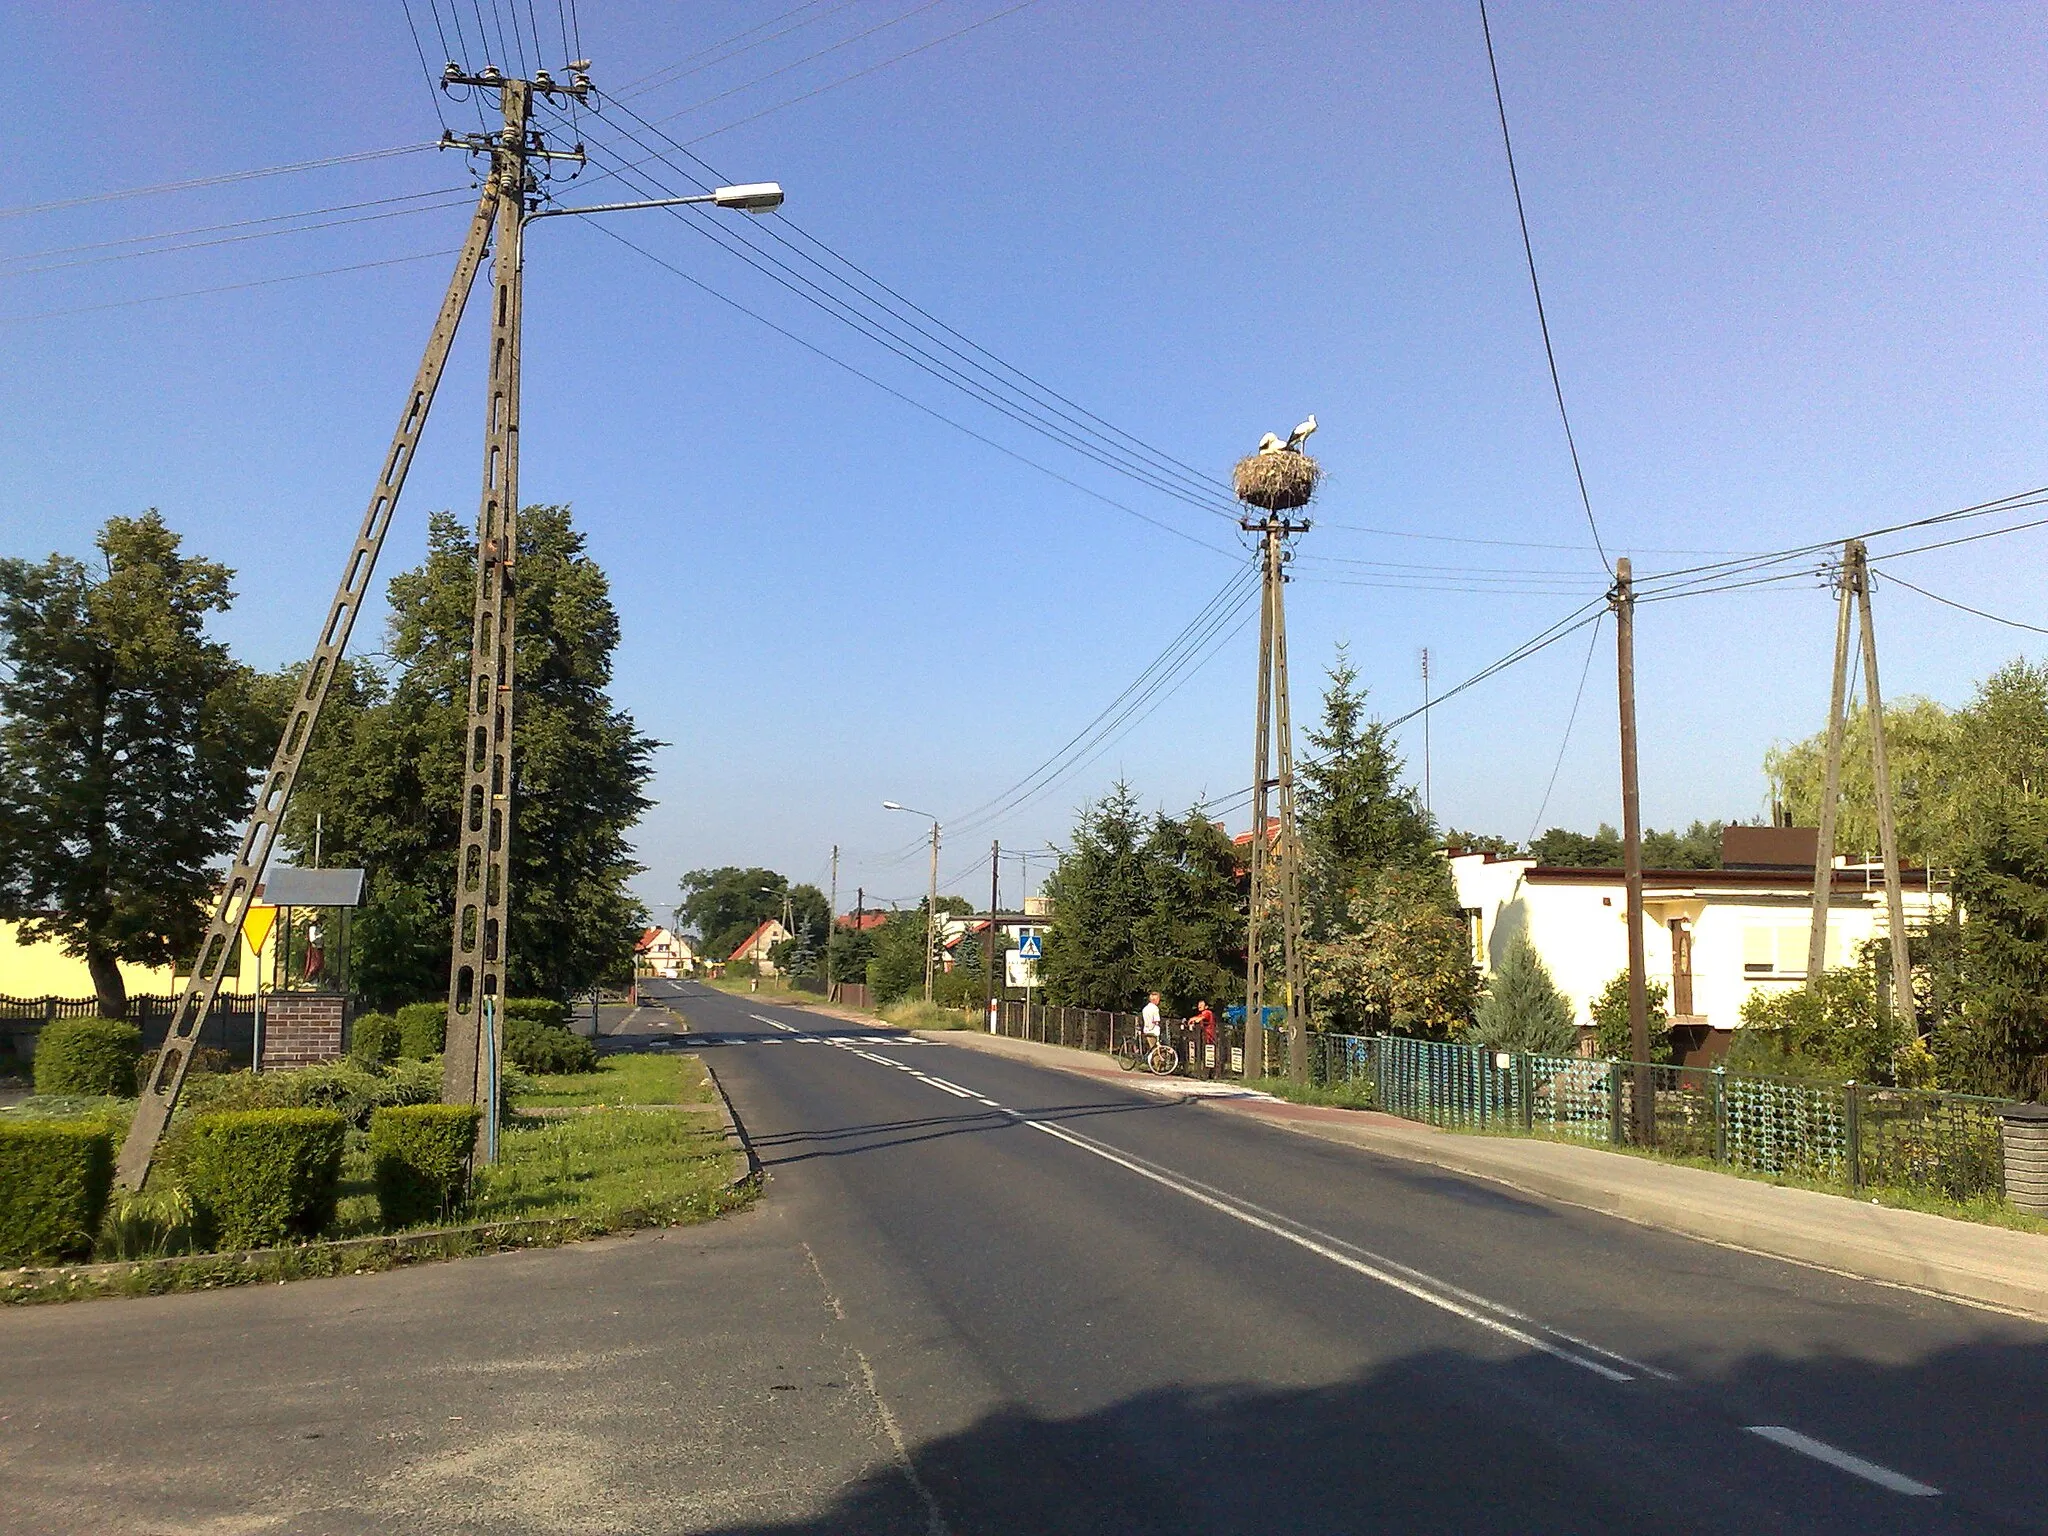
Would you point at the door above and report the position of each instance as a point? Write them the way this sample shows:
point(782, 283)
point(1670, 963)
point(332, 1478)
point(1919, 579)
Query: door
point(1681, 967)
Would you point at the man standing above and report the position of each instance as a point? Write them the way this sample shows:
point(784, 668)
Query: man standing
point(1148, 1020)
point(1202, 1037)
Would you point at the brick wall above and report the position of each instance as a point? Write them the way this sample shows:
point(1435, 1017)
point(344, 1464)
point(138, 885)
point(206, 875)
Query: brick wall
point(300, 1028)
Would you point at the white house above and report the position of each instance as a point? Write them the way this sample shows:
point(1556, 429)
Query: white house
point(1711, 936)
point(661, 952)
point(756, 945)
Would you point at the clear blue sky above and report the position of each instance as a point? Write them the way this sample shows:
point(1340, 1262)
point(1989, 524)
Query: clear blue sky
point(1792, 255)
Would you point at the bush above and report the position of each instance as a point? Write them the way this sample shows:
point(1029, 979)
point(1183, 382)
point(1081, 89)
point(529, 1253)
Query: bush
point(348, 1087)
point(419, 1156)
point(538, 1010)
point(54, 1179)
point(422, 1030)
point(1836, 1029)
point(159, 1221)
point(210, 1059)
point(916, 1013)
point(261, 1176)
point(741, 970)
point(541, 1048)
point(1611, 1038)
point(88, 1057)
point(374, 1038)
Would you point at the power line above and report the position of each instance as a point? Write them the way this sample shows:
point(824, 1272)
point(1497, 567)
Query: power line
point(224, 179)
point(426, 72)
point(1570, 720)
point(198, 293)
point(1452, 538)
point(1536, 287)
point(677, 71)
point(911, 401)
point(1964, 607)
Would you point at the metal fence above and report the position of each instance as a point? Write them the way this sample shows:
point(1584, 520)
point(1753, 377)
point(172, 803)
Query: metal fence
point(1100, 1029)
point(230, 1025)
point(1855, 1135)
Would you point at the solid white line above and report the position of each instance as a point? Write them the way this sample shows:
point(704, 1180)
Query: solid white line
point(958, 1093)
point(1843, 1461)
point(787, 1029)
point(1325, 1251)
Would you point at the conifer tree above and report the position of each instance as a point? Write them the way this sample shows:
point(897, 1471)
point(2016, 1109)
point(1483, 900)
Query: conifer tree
point(1522, 1009)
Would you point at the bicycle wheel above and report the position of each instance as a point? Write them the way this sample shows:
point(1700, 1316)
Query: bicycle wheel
point(1163, 1059)
point(1127, 1054)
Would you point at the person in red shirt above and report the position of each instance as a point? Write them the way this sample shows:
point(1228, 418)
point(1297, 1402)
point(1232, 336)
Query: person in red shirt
point(1202, 1030)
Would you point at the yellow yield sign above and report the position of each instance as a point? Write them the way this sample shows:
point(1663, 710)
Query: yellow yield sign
point(256, 926)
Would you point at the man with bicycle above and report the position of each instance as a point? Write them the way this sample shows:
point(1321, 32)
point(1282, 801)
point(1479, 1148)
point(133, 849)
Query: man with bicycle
point(1148, 1020)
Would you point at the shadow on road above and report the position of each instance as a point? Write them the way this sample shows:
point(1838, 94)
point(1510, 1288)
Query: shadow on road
point(1444, 1442)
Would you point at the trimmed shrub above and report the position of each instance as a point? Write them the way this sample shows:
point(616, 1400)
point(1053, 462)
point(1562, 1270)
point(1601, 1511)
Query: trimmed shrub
point(349, 1087)
point(88, 1057)
point(261, 1176)
point(539, 1010)
point(374, 1038)
point(546, 1050)
point(422, 1030)
point(54, 1179)
point(419, 1155)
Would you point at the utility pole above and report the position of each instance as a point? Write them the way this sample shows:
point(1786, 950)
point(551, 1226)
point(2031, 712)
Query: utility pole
point(995, 902)
point(931, 917)
point(1267, 882)
point(1881, 771)
point(1428, 801)
point(1623, 601)
point(831, 921)
point(1824, 841)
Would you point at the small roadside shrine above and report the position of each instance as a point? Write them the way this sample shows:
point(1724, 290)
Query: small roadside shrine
point(303, 1002)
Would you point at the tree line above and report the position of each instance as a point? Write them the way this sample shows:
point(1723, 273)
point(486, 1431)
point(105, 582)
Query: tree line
point(130, 742)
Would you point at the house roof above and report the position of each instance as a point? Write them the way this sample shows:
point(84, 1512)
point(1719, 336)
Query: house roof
point(1720, 879)
point(647, 938)
point(861, 922)
point(754, 938)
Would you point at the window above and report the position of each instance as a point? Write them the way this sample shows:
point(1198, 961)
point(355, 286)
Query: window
point(1475, 932)
point(1774, 950)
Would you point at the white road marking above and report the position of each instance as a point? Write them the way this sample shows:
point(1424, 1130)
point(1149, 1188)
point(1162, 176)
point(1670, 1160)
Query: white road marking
point(1843, 1461)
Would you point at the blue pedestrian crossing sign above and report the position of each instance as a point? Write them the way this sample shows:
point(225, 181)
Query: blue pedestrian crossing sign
point(1031, 947)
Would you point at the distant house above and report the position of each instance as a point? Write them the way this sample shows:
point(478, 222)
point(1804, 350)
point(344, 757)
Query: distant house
point(757, 945)
point(862, 922)
point(663, 953)
point(1712, 936)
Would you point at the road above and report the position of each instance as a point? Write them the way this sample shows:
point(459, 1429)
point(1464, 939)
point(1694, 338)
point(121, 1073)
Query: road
point(980, 1296)
point(1090, 1309)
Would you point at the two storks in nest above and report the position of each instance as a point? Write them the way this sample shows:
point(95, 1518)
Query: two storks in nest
point(1271, 443)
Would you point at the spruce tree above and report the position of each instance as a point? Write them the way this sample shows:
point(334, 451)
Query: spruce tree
point(1099, 895)
point(1999, 1045)
point(1522, 1009)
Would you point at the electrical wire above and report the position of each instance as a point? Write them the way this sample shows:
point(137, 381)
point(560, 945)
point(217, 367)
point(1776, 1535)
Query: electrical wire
point(1451, 538)
point(426, 73)
point(198, 293)
point(1571, 720)
point(1536, 287)
point(1950, 602)
point(1056, 412)
point(877, 330)
point(678, 71)
point(224, 179)
point(267, 234)
point(911, 401)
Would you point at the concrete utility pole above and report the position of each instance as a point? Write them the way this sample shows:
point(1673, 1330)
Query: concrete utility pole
point(1266, 881)
point(831, 921)
point(1830, 800)
point(1428, 802)
point(1881, 772)
point(1623, 601)
point(931, 918)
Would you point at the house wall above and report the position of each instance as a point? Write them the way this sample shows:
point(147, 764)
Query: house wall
point(41, 969)
point(1744, 940)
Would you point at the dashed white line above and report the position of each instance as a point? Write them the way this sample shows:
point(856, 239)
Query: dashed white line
point(1843, 1461)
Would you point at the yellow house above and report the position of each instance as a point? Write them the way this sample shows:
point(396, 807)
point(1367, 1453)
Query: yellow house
point(33, 970)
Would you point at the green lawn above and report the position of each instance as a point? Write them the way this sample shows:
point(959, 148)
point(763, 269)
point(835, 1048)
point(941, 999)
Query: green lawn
point(1336, 1095)
point(621, 1080)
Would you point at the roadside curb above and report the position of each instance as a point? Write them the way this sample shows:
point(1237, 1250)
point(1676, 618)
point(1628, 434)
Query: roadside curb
point(745, 1162)
point(1995, 1267)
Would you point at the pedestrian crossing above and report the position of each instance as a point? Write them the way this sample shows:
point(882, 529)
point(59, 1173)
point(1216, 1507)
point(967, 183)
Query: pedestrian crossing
point(843, 1040)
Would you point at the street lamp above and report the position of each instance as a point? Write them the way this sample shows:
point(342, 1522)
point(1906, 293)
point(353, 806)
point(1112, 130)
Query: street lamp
point(931, 906)
point(754, 197)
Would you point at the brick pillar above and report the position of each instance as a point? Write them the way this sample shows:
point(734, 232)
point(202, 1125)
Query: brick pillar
point(301, 1028)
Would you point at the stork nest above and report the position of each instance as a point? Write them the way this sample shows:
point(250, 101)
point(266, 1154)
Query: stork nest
point(1276, 482)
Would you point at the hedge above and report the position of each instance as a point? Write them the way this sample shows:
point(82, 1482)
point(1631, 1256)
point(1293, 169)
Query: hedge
point(88, 1057)
point(54, 1179)
point(419, 1156)
point(261, 1176)
point(375, 1037)
point(539, 1010)
point(544, 1049)
point(422, 1030)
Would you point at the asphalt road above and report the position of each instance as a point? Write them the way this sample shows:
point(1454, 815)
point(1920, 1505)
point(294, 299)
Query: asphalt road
point(980, 1296)
point(1088, 1309)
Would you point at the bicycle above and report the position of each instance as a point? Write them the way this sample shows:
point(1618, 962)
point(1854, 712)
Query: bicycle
point(1155, 1056)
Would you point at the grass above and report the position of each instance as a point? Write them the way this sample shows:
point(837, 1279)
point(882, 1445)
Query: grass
point(916, 1013)
point(1334, 1096)
point(624, 1080)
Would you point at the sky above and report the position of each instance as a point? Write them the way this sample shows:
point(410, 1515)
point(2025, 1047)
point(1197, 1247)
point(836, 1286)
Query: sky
point(1790, 255)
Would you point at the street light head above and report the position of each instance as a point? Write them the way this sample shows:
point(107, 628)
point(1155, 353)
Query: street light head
point(754, 197)
point(891, 805)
